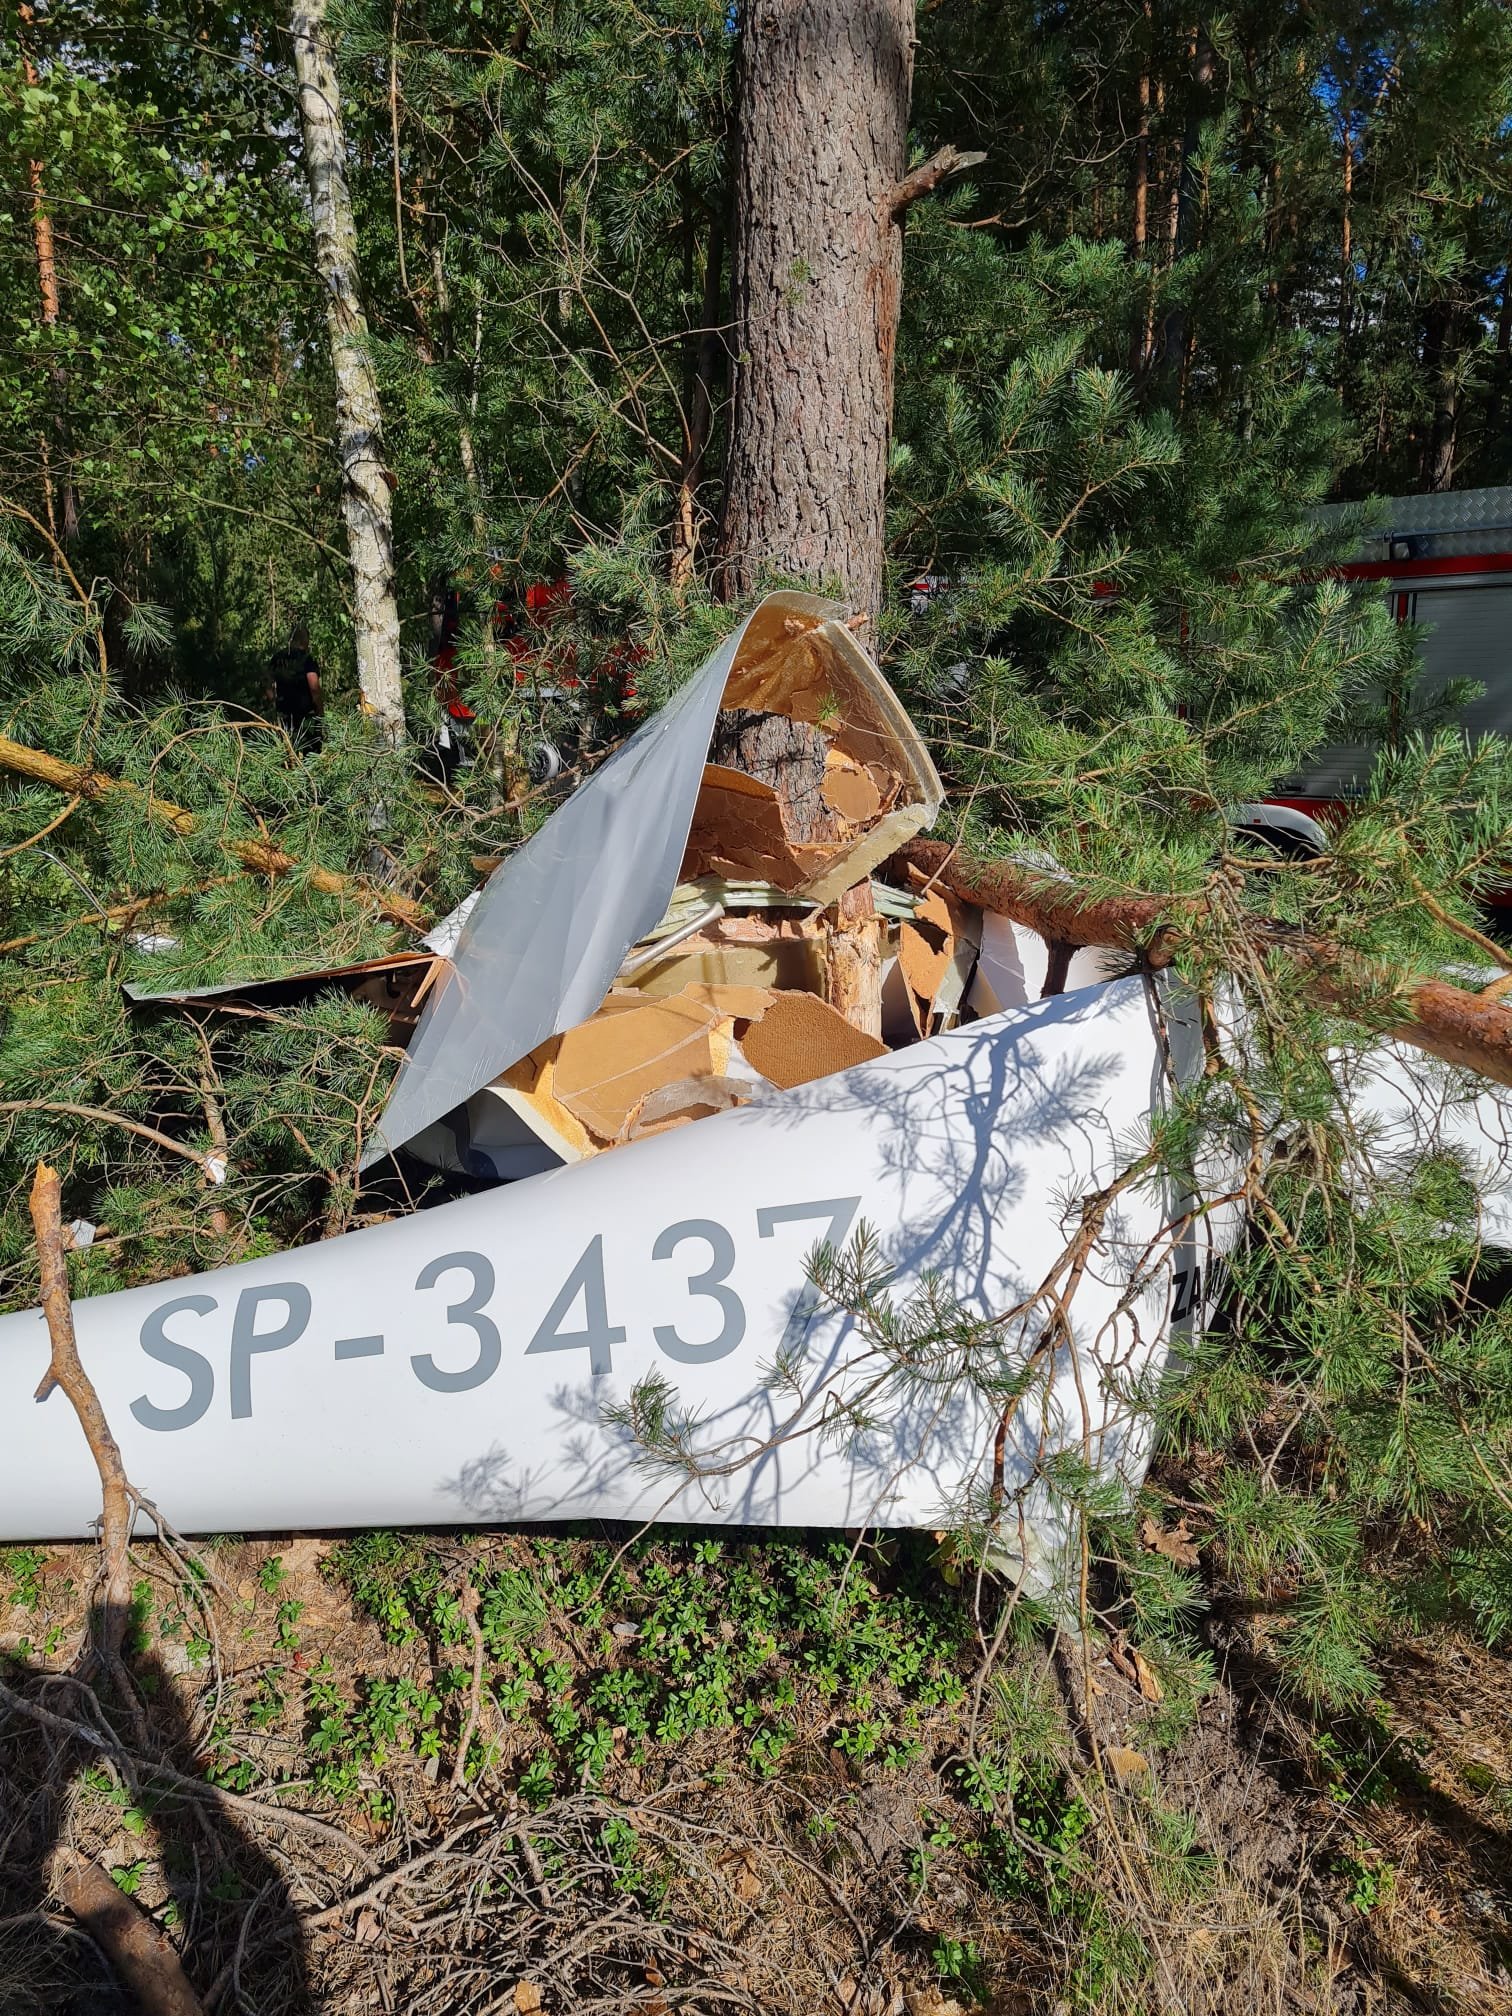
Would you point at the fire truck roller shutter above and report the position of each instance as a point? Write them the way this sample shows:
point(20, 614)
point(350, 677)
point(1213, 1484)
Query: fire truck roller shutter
point(1468, 635)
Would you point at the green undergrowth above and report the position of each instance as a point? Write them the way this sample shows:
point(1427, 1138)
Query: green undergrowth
point(597, 1657)
point(797, 1667)
point(794, 1692)
point(1342, 1436)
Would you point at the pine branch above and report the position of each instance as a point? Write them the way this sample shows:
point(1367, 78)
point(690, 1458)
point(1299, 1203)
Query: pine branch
point(104, 1116)
point(114, 913)
point(1469, 1030)
point(257, 855)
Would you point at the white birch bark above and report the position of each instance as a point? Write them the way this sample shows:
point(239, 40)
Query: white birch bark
point(365, 497)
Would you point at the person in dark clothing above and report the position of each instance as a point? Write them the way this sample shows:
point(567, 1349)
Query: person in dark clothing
point(294, 689)
point(443, 754)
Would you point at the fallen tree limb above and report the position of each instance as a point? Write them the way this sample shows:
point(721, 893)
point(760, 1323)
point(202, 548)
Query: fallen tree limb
point(140, 1957)
point(1473, 1031)
point(260, 856)
point(106, 1118)
point(145, 1771)
point(66, 1370)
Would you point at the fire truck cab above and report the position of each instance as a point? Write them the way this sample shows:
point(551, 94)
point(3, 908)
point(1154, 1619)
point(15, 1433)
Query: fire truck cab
point(1445, 562)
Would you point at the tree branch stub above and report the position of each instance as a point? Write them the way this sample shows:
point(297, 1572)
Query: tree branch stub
point(928, 176)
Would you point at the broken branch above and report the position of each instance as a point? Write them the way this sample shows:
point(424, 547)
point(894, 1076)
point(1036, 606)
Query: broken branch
point(1472, 1031)
point(140, 1957)
point(929, 175)
point(257, 855)
point(469, 1607)
point(145, 1770)
point(105, 1117)
point(66, 1370)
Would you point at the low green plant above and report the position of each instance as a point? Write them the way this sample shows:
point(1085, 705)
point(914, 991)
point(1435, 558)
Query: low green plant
point(23, 1567)
point(1370, 1880)
point(958, 1963)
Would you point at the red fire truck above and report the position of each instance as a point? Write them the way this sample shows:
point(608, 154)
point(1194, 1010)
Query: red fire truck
point(1445, 562)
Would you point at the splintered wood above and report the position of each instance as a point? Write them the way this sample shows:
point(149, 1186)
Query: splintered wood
point(777, 964)
point(853, 960)
point(814, 776)
point(809, 777)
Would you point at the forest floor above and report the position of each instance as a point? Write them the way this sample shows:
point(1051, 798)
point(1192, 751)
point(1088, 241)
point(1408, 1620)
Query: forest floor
point(706, 1773)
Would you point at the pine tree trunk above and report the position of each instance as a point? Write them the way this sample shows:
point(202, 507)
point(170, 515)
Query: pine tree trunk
point(1139, 228)
point(1443, 444)
point(365, 498)
point(1501, 368)
point(1185, 203)
point(1439, 367)
point(1346, 238)
point(44, 247)
point(822, 92)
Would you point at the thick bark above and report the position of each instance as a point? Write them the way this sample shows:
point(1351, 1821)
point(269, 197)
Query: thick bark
point(365, 497)
point(785, 754)
point(823, 91)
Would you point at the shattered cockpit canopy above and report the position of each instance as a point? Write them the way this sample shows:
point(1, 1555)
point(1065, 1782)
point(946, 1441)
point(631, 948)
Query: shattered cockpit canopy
point(541, 946)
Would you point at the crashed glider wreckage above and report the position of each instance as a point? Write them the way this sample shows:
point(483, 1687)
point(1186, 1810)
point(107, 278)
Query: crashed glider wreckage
point(694, 1040)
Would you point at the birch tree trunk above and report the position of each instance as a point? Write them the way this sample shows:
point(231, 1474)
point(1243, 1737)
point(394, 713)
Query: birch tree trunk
point(823, 91)
point(366, 504)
